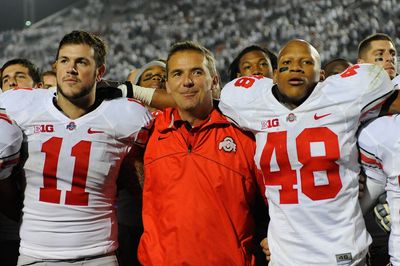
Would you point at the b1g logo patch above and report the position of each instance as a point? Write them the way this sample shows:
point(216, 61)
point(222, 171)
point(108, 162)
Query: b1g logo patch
point(43, 128)
point(228, 145)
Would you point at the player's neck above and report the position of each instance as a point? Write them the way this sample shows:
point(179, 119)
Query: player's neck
point(286, 101)
point(77, 107)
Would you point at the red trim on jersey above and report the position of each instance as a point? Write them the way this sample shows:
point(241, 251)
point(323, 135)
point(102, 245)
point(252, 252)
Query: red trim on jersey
point(136, 101)
point(377, 104)
point(367, 160)
point(8, 163)
point(6, 118)
point(26, 89)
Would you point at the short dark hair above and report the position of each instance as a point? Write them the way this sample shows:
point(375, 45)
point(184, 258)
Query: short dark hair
point(234, 66)
point(33, 70)
point(83, 37)
point(193, 46)
point(338, 61)
point(48, 73)
point(365, 43)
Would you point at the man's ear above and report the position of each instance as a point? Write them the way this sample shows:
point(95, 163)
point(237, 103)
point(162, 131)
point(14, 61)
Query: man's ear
point(238, 75)
point(39, 85)
point(322, 75)
point(101, 70)
point(167, 87)
point(275, 76)
point(360, 61)
point(215, 87)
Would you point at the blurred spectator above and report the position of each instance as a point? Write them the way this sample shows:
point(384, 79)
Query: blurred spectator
point(19, 72)
point(49, 79)
point(150, 27)
point(253, 60)
point(336, 66)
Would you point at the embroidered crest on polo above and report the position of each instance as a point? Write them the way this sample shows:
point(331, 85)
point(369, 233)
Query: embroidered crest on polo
point(228, 145)
point(71, 126)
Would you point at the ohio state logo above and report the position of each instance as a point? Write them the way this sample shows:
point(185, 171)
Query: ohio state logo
point(71, 126)
point(228, 145)
point(291, 117)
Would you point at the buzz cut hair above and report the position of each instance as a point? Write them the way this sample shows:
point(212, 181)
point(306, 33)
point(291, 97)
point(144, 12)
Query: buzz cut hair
point(365, 44)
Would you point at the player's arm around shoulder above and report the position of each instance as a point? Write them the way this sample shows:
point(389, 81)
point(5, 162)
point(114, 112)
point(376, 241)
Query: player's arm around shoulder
point(18, 100)
point(131, 120)
point(10, 145)
point(370, 146)
point(241, 96)
point(369, 80)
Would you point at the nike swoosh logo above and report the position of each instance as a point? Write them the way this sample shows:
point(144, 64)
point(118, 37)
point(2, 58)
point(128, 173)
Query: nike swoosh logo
point(91, 131)
point(316, 117)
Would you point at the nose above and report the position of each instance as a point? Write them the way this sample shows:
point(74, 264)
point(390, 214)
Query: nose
point(296, 67)
point(257, 71)
point(188, 82)
point(389, 58)
point(157, 77)
point(12, 83)
point(71, 69)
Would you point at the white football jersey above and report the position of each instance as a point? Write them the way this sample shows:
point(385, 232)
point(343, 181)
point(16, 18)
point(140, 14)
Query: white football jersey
point(396, 81)
point(71, 172)
point(379, 145)
point(308, 157)
point(10, 144)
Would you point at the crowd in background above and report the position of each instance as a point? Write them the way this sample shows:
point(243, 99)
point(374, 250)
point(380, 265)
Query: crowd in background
point(139, 31)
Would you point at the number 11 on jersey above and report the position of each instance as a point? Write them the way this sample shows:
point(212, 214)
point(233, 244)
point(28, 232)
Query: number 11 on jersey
point(77, 195)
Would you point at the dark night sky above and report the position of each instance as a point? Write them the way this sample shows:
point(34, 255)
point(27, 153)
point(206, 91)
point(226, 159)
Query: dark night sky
point(12, 15)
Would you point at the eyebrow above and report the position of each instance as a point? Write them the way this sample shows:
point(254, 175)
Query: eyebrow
point(173, 71)
point(71, 58)
point(383, 49)
point(16, 73)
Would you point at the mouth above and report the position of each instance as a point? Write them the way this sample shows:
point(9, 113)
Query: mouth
point(188, 94)
point(70, 80)
point(155, 85)
point(296, 81)
point(390, 68)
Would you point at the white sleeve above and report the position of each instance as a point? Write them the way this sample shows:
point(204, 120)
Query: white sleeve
point(396, 82)
point(373, 190)
point(369, 148)
point(372, 166)
point(10, 144)
point(377, 87)
point(132, 121)
point(393, 198)
point(241, 98)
